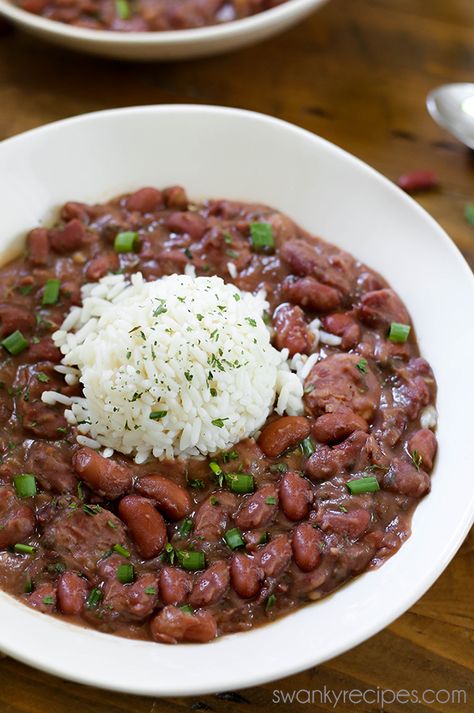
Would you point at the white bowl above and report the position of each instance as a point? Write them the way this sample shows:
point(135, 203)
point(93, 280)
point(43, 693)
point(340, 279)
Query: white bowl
point(176, 44)
point(229, 153)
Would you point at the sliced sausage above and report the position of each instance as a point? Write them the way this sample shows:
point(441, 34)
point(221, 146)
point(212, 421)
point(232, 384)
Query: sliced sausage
point(103, 475)
point(145, 524)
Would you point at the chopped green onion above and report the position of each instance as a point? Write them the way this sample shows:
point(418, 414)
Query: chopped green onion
point(213, 500)
point(156, 415)
point(399, 332)
point(230, 455)
point(151, 591)
point(48, 600)
point(42, 377)
point(15, 343)
point(469, 213)
point(240, 482)
point(91, 509)
point(28, 585)
point(261, 235)
point(234, 538)
point(187, 609)
point(121, 550)
point(271, 601)
point(417, 459)
point(125, 242)
point(51, 292)
point(251, 321)
point(186, 527)
point(215, 467)
point(126, 573)
point(190, 560)
point(307, 447)
point(271, 500)
point(25, 485)
point(123, 9)
point(219, 422)
point(24, 549)
point(94, 598)
point(278, 468)
point(363, 485)
point(362, 365)
point(197, 483)
point(263, 538)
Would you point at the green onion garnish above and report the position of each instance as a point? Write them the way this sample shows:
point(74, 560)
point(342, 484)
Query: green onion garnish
point(307, 447)
point(215, 467)
point(187, 609)
point(191, 561)
point(151, 591)
point(15, 343)
point(42, 377)
point(94, 598)
point(261, 235)
point(121, 550)
point(28, 585)
point(469, 213)
point(240, 482)
point(51, 292)
point(362, 365)
point(25, 485)
point(48, 600)
point(363, 485)
point(125, 242)
point(234, 538)
point(24, 549)
point(271, 500)
point(219, 422)
point(123, 9)
point(263, 538)
point(417, 459)
point(125, 573)
point(278, 468)
point(156, 415)
point(399, 332)
point(186, 527)
point(271, 601)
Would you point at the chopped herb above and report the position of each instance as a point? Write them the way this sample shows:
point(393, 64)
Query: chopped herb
point(227, 237)
point(111, 524)
point(232, 253)
point(190, 560)
point(251, 321)
point(197, 483)
point(263, 538)
point(156, 415)
point(469, 213)
point(278, 468)
point(126, 573)
point(94, 598)
point(363, 485)
point(219, 422)
point(25, 289)
point(122, 9)
point(161, 309)
point(169, 554)
point(271, 500)
point(41, 376)
point(121, 550)
point(186, 527)
point(240, 482)
point(399, 332)
point(28, 585)
point(199, 317)
point(25, 485)
point(307, 447)
point(213, 391)
point(15, 343)
point(230, 455)
point(91, 509)
point(234, 538)
point(362, 365)
point(266, 318)
point(417, 459)
point(128, 354)
point(125, 242)
point(271, 601)
point(151, 591)
point(213, 500)
point(48, 600)
point(51, 292)
point(236, 297)
point(342, 508)
point(188, 376)
point(24, 549)
point(188, 253)
point(261, 236)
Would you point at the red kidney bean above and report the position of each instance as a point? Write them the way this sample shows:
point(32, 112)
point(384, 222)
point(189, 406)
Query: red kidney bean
point(337, 425)
point(192, 224)
point(254, 538)
point(104, 475)
point(404, 478)
point(416, 181)
point(344, 326)
point(306, 544)
point(175, 585)
point(17, 521)
point(102, 264)
point(173, 500)
point(175, 197)
point(13, 317)
point(173, 625)
point(70, 238)
point(257, 509)
point(310, 294)
point(145, 200)
point(37, 244)
point(275, 557)
point(72, 593)
point(291, 330)
point(146, 525)
point(352, 523)
point(283, 433)
point(211, 585)
point(41, 596)
point(422, 445)
point(245, 575)
point(296, 496)
point(382, 307)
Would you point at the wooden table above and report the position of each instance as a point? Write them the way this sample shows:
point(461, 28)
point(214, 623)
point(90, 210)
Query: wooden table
point(356, 73)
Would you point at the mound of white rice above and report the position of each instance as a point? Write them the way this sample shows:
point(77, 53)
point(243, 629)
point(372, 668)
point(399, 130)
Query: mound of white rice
point(181, 366)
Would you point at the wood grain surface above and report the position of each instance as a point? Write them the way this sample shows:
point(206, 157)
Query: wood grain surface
point(357, 73)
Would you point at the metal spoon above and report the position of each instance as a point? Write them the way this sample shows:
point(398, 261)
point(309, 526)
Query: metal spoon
point(452, 107)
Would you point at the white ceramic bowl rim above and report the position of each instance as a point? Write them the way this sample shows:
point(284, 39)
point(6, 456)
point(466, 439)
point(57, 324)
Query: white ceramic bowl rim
point(226, 30)
point(374, 600)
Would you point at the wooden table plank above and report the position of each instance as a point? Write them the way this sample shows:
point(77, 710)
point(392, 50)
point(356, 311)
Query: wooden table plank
point(357, 73)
